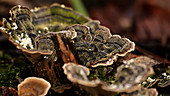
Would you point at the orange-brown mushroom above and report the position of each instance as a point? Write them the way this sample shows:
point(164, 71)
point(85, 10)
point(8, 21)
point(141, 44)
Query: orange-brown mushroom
point(33, 86)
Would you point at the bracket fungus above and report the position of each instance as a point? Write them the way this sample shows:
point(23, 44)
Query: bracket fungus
point(97, 47)
point(78, 75)
point(52, 36)
point(127, 78)
point(28, 28)
point(78, 71)
point(27, 24)
point(33, 86)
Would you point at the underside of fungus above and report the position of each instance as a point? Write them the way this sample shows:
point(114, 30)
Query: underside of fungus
point(33, 86)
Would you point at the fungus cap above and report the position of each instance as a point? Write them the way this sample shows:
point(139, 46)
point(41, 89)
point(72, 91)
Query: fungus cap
point(33, 86)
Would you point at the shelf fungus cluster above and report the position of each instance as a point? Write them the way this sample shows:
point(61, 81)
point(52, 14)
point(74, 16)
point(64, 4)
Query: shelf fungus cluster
point(26, 27)
point(34, 32)
point(41, 34)
point(56, 36)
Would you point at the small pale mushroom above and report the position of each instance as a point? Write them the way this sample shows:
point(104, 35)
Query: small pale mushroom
point(33, 86)
point(76, 73)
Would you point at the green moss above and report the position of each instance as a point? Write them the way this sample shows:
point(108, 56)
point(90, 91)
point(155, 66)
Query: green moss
point(8, 71)
point(8, 78)
point(103, 73)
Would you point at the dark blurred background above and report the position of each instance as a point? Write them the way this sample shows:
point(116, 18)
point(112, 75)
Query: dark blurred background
point(146, 22)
